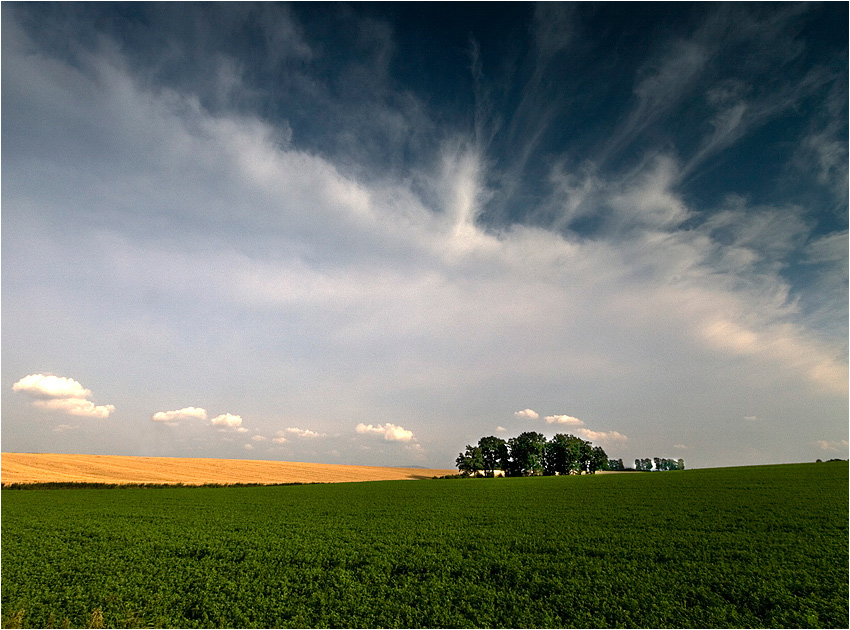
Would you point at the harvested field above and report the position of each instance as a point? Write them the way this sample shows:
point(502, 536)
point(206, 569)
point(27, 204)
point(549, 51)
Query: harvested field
point(48, 467)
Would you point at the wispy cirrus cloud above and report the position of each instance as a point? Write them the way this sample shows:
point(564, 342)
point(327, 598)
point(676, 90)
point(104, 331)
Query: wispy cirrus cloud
point(608, 276)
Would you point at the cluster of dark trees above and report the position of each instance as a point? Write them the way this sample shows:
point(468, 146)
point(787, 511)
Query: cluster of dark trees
point(646, 464)
point(530, 453)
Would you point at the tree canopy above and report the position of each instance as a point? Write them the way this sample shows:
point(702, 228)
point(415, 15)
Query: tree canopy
point(530, 453)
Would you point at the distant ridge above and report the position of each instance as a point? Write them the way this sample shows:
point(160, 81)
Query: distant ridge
point(51, 467)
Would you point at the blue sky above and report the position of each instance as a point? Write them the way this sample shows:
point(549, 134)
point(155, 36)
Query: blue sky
point(374, 233)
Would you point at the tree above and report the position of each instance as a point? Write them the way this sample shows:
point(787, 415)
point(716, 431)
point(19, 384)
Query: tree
point(526, 454)
point(560, 455)
point(494, 454)
point(471, 461)
point(680, 464)
point(643, 464)
point(598, 460)
point(585, 455)
point(566, 454)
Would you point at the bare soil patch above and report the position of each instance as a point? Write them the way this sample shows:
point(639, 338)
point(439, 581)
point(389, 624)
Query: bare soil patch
point(49, 467)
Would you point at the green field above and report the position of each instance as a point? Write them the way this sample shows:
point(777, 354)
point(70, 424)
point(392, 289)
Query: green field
point(762, 546)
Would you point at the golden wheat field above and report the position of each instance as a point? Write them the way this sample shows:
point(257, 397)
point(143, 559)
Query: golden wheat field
point(49, 467)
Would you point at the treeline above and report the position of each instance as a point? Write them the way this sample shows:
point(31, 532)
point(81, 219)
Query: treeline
point(646, 464)
point(530, 453)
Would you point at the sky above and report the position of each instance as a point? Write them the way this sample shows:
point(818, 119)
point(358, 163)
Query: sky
point(375, 233)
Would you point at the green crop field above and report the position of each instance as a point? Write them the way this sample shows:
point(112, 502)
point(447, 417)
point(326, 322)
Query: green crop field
point(762, 546)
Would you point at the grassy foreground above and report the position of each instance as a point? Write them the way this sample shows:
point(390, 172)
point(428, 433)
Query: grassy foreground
point(759, 546)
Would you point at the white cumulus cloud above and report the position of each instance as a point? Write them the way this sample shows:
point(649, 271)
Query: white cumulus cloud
point(830, 445)
point(228, 420)
point(48, 386)
point(59, 393)
point(563, 419)
point(303, 433)
point(602, 436)
point(75, 407)
point(527, 414)
point(180, 414)
point(389, 431)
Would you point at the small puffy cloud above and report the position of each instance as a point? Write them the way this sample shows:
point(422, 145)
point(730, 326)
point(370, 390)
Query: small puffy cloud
point(830, 445)
point(602, 436)
point(75, 407)
point(527, 414)
point(259, 438)
point(249, 447)
point(280, 437)
point(390, 432)
point(60, 428)
point(227, 420)
point(750, 418)
point(47, 387)
point(501, 429)
point(180, 414)
point(570, 420)
point(303, 433)
point(59, 393)
point(680, 447)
